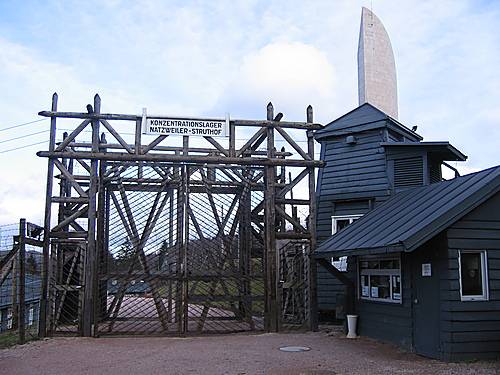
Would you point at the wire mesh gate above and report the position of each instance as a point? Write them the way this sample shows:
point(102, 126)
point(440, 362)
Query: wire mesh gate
point(179, 257)
point(174, 240)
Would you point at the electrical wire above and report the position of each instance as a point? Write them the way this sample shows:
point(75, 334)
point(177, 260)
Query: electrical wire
point(25, 136)
point(21, 147)
point(23, 124)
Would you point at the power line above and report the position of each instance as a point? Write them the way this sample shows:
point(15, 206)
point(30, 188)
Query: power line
point(25, 136)
point(23, 124)
point(20, 147)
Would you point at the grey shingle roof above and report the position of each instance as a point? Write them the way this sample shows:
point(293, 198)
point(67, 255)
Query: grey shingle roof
point(412, 217)
point(364, 117)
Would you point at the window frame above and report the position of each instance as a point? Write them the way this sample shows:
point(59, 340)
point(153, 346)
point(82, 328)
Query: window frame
point(380, 272)
point(485, 296)
point(335, 218)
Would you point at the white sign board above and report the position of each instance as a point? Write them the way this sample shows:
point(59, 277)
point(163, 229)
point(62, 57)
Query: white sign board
point(186, 126)
point(426, 269)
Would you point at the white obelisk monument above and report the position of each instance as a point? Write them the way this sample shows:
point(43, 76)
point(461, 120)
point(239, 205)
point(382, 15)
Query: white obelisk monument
point(376, 67)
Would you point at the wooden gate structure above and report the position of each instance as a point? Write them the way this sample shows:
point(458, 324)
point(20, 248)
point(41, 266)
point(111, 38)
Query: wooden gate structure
point(143, 238)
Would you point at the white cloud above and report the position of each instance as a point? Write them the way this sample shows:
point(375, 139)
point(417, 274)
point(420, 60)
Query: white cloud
point(291, 75)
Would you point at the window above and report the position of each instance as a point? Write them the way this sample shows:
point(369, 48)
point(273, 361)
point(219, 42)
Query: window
point(473, 271)
point(31, 315)
point(380, 279)
point(9, 319)
point(340, 222)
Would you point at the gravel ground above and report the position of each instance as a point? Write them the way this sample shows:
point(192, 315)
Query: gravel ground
point(240, 354)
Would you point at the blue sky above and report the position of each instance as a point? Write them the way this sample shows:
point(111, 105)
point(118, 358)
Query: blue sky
point(208, 58)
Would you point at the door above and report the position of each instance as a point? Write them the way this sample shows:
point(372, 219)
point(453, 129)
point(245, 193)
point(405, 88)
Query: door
point(425, 302)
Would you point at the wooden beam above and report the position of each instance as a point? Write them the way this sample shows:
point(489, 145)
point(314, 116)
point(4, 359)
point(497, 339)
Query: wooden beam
point(72, 136)
point(292, 143)
point(217, 145)
point(42, 326)
point(293, 183)
point(123, 117)
point(313, 311)
point(154, 143)
point(274, 124)
point(271, 281)
point(292, 236)
point(117, 136)
point(90, 266)
point(334, 271)
point(70, 178)
point(260, 133)
point(69, 219)
point(295, 223)
point(187, 159)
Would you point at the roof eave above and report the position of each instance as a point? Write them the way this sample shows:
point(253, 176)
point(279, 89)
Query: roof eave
point(385, 249)
point(457, 154)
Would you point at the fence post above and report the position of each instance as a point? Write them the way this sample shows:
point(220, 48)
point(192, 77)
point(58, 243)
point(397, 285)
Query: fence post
point(42, 321)
point(22, 281)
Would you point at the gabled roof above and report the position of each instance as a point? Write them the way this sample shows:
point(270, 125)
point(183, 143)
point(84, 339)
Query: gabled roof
point(444, 150)
point(410, 218)
point(364, 117)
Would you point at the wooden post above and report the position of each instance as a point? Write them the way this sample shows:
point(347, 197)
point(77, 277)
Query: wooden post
point(100, 307)
point(22, 280)
point(179, 175)
point(185, 249)
point(42, 327)
point(15, 291)
point(245, 258)
point(313, 300)
point(138, 132)
point(269, 231)
point(89, 295)
point(167, 258)
point(232, 138)
point(137, 141)
point(185, 237)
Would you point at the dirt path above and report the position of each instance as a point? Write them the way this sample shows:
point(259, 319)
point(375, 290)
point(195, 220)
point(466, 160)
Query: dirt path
point(229, 354)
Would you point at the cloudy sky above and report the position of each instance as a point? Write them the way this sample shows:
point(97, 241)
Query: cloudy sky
point(209, 58)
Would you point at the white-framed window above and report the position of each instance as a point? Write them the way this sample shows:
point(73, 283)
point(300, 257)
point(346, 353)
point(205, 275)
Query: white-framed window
point(473, 275)
point(341, 221)
point(31, 315)
point(380, 279)
point(9, 319)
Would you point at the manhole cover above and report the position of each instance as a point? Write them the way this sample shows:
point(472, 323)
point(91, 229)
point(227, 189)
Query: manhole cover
point(294, 348)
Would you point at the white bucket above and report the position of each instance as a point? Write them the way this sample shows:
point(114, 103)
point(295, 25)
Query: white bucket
point(352, 323)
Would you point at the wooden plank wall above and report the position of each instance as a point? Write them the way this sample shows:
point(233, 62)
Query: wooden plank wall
point(352, 172)
point(328, 289)
point(471, 329)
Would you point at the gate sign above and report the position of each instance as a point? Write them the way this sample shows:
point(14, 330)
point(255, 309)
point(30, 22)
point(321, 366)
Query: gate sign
point(187, 126)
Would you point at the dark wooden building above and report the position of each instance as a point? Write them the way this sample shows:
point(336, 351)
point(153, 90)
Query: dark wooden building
point(369, 156)
point(423, 254)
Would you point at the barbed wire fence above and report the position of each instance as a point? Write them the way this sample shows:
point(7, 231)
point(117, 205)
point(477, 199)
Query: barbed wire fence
point(20, 282)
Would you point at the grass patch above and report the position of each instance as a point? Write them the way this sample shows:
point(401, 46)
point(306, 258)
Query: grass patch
point(11, 338)
point(8, 339)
